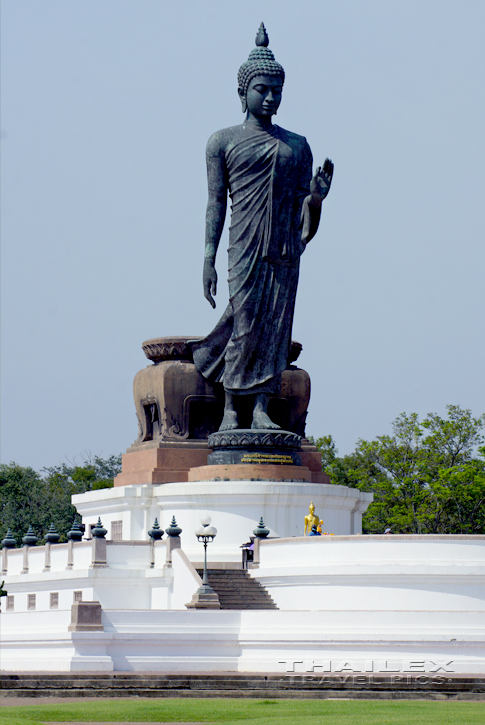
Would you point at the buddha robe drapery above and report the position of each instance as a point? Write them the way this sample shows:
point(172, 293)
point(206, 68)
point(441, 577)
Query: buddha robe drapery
point(267, 175)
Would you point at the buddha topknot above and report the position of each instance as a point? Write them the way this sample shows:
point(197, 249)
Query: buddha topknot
point(261, 62)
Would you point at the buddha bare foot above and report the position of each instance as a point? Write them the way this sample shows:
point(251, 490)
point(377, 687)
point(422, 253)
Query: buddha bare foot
point(229, 421)
point(262, 421)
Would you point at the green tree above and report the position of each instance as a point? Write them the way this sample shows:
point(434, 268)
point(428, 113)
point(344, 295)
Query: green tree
point(427, 477)
point(92, 474)
point(29, 498)
point(22, 501)
point(460, 491)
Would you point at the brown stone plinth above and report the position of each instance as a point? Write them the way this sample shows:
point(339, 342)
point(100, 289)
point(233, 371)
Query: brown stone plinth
point(184, 462)
point(86, 617)
point(312, 459)
point(251, 471)
point(160, 465)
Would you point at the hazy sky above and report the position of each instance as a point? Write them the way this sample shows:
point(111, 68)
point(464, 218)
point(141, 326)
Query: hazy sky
point(106, 109)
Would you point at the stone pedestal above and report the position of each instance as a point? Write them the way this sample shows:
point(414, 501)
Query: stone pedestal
point(178, 409)
point(188, 461)
point(165, 463)
point(86, 617)
point(270, 447)
point(254, 455)
point(204, 599)
point(174, 402)
point(311, 458)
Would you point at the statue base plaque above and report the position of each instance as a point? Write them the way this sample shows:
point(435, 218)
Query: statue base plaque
point(249, 446)
point(251, 472)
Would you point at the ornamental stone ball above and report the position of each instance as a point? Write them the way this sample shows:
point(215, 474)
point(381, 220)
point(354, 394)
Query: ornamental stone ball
point(276, 205)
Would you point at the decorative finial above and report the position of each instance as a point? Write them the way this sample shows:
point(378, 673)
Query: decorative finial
point(261, 531)
point(98, 531)
point(76, 533)
point(52, 537)
point(30, 539)
point(173, 530)
point(155, 533)
point(9, 542)
point(262, 39)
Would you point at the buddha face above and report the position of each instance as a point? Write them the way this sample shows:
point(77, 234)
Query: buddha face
point(263, 96)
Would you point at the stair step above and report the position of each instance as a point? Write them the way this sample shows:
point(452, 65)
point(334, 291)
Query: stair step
point(237, 590)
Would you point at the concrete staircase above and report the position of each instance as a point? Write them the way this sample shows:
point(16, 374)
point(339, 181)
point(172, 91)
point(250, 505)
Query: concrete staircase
point(237, 590)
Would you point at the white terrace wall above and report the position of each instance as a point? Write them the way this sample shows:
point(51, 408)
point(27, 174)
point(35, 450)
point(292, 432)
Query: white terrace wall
point(137, 575)
point(248, 641)
point(375, 573)
point(404, 604)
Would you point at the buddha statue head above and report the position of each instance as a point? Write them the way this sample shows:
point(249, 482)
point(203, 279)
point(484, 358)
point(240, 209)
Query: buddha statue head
point(260, 63)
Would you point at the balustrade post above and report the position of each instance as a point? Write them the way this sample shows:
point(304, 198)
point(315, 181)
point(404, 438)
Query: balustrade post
point(75, 534)
point(47, 561)
point(98, 533)
point(25, 563)
point(4, 560)
point(30, 539)
point(70, 554)
point(173, 542)
point(7, 543)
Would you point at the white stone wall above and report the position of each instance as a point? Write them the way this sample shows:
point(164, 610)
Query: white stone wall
point(128, 581)
point(234, 506)
point(251, 641)
point(376, 573)
point(351, 604)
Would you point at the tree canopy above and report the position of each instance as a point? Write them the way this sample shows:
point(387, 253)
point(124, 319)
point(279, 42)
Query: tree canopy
point(29, 498)
point(427, 478)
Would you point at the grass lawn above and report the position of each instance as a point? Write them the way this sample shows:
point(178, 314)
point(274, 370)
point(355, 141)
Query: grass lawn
point(257, 712)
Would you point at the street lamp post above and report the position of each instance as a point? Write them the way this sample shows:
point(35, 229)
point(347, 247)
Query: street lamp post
point(205, 534)
point(205, 597)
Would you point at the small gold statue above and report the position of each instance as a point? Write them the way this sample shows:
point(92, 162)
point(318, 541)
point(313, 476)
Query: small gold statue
point(310, 519)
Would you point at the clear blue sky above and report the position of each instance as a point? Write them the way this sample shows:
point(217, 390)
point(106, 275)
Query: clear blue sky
point(106, 109)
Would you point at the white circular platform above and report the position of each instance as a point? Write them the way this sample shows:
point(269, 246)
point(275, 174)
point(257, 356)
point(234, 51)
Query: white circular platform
point(234, 506)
